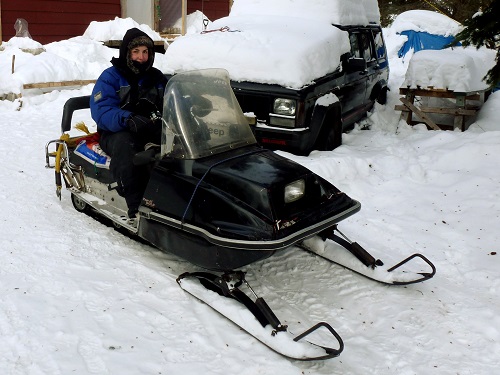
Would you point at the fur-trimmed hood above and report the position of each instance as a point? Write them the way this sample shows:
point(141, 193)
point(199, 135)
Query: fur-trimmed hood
point(133, 38)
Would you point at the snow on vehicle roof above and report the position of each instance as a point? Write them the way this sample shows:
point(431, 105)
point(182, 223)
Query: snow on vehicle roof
point(267, 49)
point(426, 21)
point(338, 12)
point(284, 42)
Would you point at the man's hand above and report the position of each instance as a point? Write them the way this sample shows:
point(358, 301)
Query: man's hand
point(141, 124)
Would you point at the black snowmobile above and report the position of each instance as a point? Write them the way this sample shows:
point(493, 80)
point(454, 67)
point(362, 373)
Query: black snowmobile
point(219, 200)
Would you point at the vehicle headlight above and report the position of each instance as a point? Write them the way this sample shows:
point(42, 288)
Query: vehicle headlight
point(284, 106)
point(294, 191)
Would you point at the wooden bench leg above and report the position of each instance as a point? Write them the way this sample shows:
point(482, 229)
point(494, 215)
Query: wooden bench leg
point(407, 115)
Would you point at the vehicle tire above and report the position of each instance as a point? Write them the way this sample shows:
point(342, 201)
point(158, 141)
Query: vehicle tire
point(382, 96)
point(79, 204)
point(330, 137)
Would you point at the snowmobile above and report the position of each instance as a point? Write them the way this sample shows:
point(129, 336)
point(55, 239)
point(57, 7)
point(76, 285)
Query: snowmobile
point(219, 200)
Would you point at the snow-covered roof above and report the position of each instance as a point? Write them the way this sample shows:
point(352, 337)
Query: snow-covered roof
point(426, 21)
point(285, 42)
point(267, 49)
point(339, 12)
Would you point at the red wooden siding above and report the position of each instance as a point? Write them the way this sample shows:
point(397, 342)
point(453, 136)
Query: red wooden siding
point(213, 9)
point(53, 20)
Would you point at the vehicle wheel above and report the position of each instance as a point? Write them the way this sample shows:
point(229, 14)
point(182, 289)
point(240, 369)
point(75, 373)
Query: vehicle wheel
point(382, 96)
point(330, 139)
point(79, 204)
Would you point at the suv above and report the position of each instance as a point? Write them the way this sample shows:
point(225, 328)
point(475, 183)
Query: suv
point(302, 78)
point(311, 118)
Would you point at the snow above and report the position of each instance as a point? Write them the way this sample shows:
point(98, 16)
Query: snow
point(315, 45)
point(24, 43)
point(426, 21)
point(338, 12)
point(113, 30)
point(79, 297)
point(287, 45)
point(457, 69)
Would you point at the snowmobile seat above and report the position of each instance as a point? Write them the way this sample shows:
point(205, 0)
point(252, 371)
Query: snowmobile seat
point(87, 153)
point(72, 105)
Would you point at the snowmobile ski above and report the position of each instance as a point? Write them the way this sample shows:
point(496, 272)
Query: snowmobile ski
point(354, 257)
point(224, 295)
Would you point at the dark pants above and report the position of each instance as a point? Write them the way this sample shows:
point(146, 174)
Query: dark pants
point(131, 179)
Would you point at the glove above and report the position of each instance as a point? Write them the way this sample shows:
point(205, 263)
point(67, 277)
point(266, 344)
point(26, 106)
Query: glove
point(141, 124)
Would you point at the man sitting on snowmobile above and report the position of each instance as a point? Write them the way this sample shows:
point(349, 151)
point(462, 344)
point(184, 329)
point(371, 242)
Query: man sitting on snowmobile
point(126, 104)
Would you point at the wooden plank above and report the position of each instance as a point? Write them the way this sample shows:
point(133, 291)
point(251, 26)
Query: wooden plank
point(406, 114)
point(459, 122)
point(439, 93)
point(443, 111)
point(419, 113)
point(43, 85)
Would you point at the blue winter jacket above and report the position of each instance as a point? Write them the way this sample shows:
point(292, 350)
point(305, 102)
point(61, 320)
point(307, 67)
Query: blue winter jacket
point(112, 100)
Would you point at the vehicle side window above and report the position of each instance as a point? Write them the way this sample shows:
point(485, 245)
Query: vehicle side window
point(366, 46)
point(355, 51)
point(380, 50)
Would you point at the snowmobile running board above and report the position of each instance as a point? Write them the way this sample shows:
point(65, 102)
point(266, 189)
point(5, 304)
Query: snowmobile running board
point(222, 293)
point(357, 259)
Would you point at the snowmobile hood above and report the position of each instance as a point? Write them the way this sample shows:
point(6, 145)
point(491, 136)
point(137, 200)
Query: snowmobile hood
point(254, 178)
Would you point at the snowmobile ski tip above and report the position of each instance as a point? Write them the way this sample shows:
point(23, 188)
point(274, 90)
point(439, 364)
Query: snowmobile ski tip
point(223, 294)
point(357, 259)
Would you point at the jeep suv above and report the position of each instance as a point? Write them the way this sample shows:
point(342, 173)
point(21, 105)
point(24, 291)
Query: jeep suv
point(314, 117)
point(302, 78)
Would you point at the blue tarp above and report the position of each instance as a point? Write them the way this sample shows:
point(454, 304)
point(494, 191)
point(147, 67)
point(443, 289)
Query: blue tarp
point(419, 40)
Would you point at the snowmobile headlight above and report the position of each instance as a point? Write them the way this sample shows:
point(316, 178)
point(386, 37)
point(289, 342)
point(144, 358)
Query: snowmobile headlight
point(284, 106)
point(294, 191)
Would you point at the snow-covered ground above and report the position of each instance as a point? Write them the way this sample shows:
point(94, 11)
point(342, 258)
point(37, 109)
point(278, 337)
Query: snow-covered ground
point(77, 297)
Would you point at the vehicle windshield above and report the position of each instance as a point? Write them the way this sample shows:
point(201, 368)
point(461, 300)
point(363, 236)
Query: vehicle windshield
point(201, 116)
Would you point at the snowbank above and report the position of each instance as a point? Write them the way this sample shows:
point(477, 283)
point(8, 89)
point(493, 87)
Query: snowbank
point(426, 21)
point(23, 43)
point(458, 69)
point(115, 29)
point(80, 58)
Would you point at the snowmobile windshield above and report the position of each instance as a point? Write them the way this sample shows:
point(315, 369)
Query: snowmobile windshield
point(202, 116)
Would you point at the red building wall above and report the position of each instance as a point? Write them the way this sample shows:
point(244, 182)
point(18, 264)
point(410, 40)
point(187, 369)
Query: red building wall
point(54, 20)
point(213, 9)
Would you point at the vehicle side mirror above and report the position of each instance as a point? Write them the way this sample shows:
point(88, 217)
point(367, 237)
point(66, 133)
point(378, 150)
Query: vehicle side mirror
point(356, 64)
